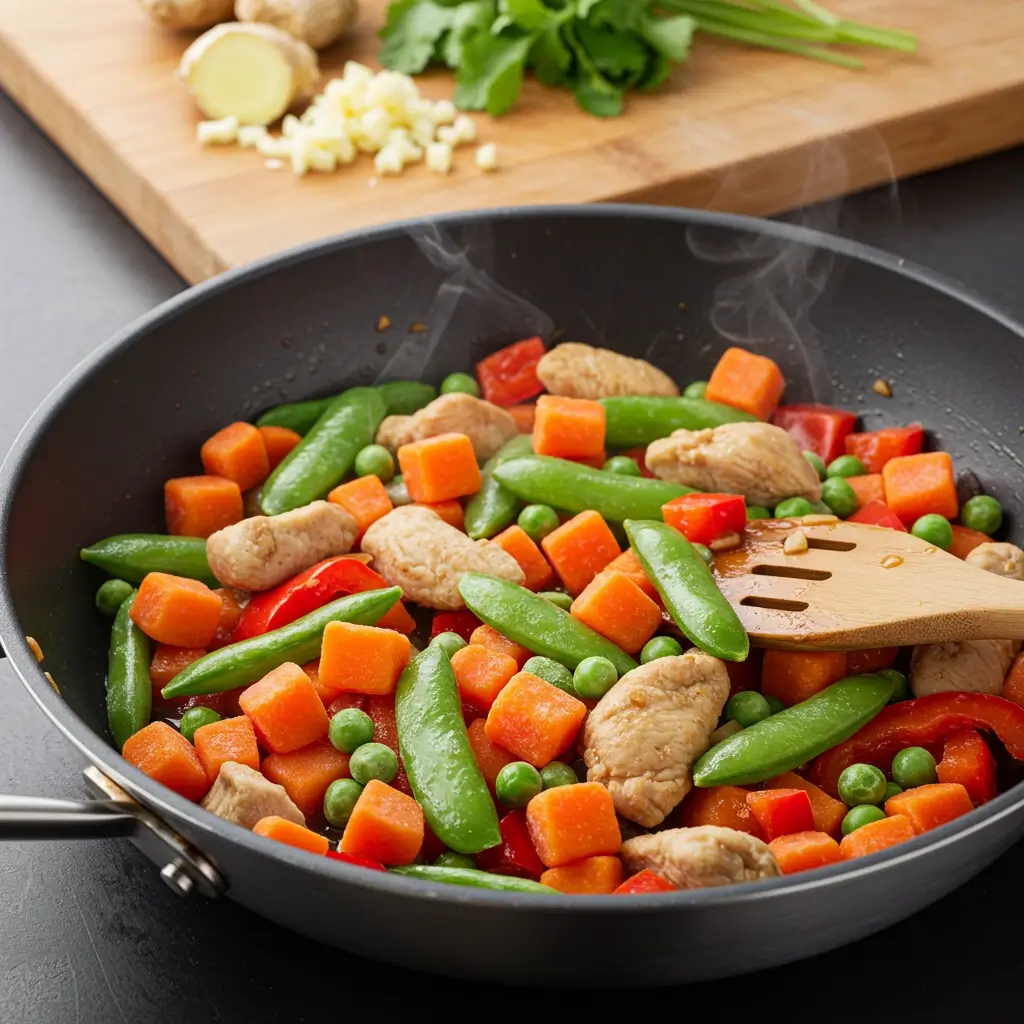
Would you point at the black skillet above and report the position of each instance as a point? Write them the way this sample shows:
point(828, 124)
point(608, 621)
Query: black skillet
point(672, 286)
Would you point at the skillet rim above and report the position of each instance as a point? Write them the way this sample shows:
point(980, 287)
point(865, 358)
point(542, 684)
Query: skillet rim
point(171, 806)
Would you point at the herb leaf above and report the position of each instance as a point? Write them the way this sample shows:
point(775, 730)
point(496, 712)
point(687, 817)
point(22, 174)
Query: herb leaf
point(411, 33)
point(491, 73)
point(550, 58)
point(468, 19)
point(670, 36)
point(529, 15)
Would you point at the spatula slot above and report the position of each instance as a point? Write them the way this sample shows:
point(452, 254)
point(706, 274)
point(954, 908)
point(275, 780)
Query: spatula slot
point(830, 545)
point(794, 572)
point(776, 603)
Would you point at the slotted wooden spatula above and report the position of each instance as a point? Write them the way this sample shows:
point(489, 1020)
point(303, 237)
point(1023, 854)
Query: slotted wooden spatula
point(861, 586)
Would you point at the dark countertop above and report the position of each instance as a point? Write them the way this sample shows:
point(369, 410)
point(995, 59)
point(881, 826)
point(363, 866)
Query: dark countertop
point(87, 930)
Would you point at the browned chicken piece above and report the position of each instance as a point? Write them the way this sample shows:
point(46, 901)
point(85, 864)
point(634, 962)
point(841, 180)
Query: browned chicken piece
point(1002, 559)
point(243, 795)
point(757, 460)
point(649, 728)
point(975, 666)
point(701, 857)
point(581, 371)
point(487, 426)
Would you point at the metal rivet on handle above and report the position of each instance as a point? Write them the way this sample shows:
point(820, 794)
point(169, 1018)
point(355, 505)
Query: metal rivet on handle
point(177, 878)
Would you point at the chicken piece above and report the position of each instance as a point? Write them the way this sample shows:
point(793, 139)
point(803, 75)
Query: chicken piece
point(243, 795)
point(974, 666)
point(415, 549)
point(647, 730)
point(487, 426)
point(757, 460)
point(701, 857)
point(259, 553)
point(1002, 559)
point(581, 371)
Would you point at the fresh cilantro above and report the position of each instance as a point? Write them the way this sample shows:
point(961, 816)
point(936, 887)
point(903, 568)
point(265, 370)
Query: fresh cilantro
point(550, 58)
point(621, 15)
point(491, 74)
point(670, 36)
point(619, 56)
point(468, 19)
point(594, 93)
point(655, 74)
point(411, 34)
point(529, 15)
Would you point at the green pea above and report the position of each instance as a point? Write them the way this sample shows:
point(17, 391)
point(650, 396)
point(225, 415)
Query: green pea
point(623, 465)
point(983, 513)
point(695, 390)
point(704, 551)
point(350, 728)
point(460, 383)
point(373, 761)
point(556, 597)
point(859, 816)
point(339, 801)
point(892, 789)
point(538, 521)
point(375, 460)
point(861, 784)
point(196, 718)
point(553, 672)
point(594, 677)
point(451, 642)
point(112, 595)
point(774, 704)
point(660, 647)
point(900, 686)
point(793, 507)
point(451, 859)
point(747, 708)
point(557, 774)
point(846, 465)
point(758, 512)
point(839, 496)
point(517, 784)
point(914, 766)
point(934, 529)
point(817, 463)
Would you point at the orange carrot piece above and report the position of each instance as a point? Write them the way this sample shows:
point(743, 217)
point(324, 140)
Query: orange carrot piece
point(592, 876)
point(524, 415)
point(285, 710)
point(928, 807)
point(230, 614)
point(804, 851)
point(168, 661)
point(439, 468)
point(568, 428)
point(916, 485)
point(326, 694)
point(386, 826)
point(533, 719)
point(580, 548)
point(876, 836)
point(238, 453)
point(629, 565)
point(569, 823)
point(306, 773)
point(362, 659)
point(868, 488)
point(279, 442)
point(365, 499)
point(614, 606)
point(493, 640)
point(593, 461)
point(828, 812)
point(490, 758)
point(166, 756)
point(966, 540)
point(1013, 685)
point(481, 674)
point(197, 506)
point(450, 511)
point(175, 610)
point(794, 676)
point(230, 739)
point(725, 806)
point(746, 381)
point(871, 659)
point(284, 831)
point(516, 542)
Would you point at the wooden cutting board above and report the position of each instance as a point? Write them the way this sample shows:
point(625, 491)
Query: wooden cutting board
point(745, 131)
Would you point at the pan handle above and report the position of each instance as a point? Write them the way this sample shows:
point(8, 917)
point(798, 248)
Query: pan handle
point(29, 817)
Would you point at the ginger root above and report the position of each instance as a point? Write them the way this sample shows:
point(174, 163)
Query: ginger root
point(189, 13)
point(251, 72)
point(316, 22)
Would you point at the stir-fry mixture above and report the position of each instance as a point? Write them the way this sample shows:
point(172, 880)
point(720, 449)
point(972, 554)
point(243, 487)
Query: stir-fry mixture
point(510, 665)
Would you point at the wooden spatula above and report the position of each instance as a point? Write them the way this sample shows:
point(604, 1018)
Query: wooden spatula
point(861, 586)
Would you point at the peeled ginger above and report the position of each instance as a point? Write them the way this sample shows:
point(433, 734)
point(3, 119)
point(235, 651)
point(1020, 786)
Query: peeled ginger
point(317, 22)
point(189, 13)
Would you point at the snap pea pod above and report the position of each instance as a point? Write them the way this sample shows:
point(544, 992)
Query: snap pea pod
point(438, 758)
point(494, 506)
point(684, 581)
point(792, 737)
point(543, 480)
point(631, 420)
point(323, 457)
point(299, 641)
point(536, 623)
point(404, 397)
point(129, 689)
point(472, 877)
point(132, 556)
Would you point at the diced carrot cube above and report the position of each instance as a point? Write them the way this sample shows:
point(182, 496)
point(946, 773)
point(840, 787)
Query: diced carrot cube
point(746, 381)
point(524, 415)
point(363, 659)
point(325, 693)
point(871, 659)
point(629, 565)
point(569, 823)
point(493, 640)
point(279, 442)
point(176, 611)
point(916, 485)
point(284, 831)
point(285, 710)
point(568, 428)
point(306, 773)
point(795, 676)
point(481, 673)
point(614, 606)
point(197, 506)
point(450, 511)
point(439, 468)
point(386, 826)
point(168, 661)
point(166, 756)
point(725, 806)
point(804, 851)
point(230, 616)
point(519, 544)
point(230, 739)
point(580, 548)
point(365, 499)
point(928, 807)
point(876, 836)
point(592, 876)
point(868, 488)
point(966, 540)
point(827, 811)
point(490, 758)
point(238, 453)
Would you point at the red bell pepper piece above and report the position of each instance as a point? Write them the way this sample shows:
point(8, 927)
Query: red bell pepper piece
point(781, 812)
point(516, 854)
point(702, 518)
point(921, 722)
point(816, 428)
point(876, 447)
point(359, 862)
point(381, 709)
point(432, 847)
point(462, 623)
point(639, 456)
point(966, 759)
point(877, 513)
point(509, 376)
point(644, 882)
